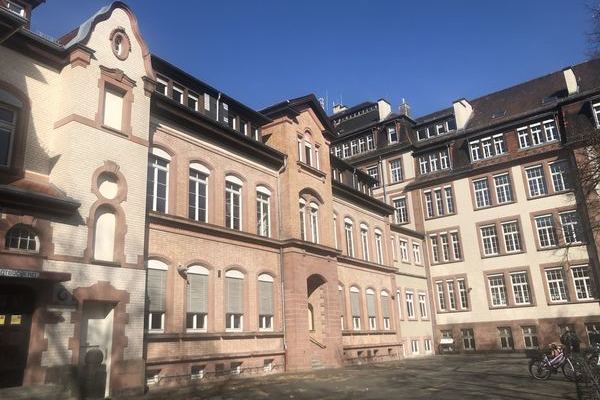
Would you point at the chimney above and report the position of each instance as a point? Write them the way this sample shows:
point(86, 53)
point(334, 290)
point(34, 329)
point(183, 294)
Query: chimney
point(571, 81)
point(338, 108)
point(404, 108)
point(384, 108)
point(462, 113)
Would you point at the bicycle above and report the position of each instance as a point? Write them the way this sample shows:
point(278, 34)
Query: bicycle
point(543, 367)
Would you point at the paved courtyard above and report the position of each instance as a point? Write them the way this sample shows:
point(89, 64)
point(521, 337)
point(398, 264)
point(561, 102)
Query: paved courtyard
point(441, 377)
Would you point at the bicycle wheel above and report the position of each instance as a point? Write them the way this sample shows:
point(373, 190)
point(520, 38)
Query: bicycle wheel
point(571, 371)
point(538, 370)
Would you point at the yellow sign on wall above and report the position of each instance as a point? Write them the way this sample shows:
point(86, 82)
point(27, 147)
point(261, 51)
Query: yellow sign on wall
point(15, 319)
point(2, 318)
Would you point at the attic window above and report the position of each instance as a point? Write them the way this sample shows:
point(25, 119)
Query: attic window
point(549, 99)
point(16, 8)
point(499, 114)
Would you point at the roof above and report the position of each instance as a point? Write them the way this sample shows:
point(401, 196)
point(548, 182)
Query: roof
point(82, 32)
point(352, 109)
point(292, 106)
point(446, 112)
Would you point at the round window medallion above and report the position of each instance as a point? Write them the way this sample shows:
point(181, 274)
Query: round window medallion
point(107, 186)
point(121, 46)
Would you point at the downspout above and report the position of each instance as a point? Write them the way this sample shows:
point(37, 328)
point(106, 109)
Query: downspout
point(380, 167)
point(281, 269)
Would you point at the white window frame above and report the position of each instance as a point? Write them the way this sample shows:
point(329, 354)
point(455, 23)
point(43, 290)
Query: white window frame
point(404, 250)
point(348, 227)
point(582, 282)
point(379, 246)
point(314, 222)
point(417, 253)
point(548, 232)
point(482, 193)
point(164, 156)
point(520, 287)
point(493, 246)
point(557, 288)
point(423, 306)
point(410, 306)
point(203, 179)
point(230, 194)
point(497, 287)
point(396, 174)
point(263, 200)
point(364, 241)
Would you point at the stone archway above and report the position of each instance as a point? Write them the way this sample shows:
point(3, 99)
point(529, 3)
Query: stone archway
point(317, 306)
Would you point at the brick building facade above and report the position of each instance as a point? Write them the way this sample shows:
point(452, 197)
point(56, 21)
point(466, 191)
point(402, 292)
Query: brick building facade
point(156, 231)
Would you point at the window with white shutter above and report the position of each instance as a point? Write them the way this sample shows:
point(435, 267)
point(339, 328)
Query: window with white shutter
point(156, 290)
point(197, 299)
point(265, 302)
point(234, 287)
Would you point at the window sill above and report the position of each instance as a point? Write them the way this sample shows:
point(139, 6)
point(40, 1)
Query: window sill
point(312, 170)
point(571, 302)
point(549, 194)
point(113, 130)
point(483, 256)
point(447, 262)
point(439, 216)
point(494, 206)
point(511, 306)
point(561, 246)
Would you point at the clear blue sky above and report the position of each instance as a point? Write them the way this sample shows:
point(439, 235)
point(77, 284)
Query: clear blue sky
point(429, 52)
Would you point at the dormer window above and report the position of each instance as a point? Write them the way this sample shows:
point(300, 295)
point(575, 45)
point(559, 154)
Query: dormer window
point(432, 162)
point(441, 128)
point(538, 134)
point(392, 134)
point(16, 8)
point(161, 85)
point(596, 111)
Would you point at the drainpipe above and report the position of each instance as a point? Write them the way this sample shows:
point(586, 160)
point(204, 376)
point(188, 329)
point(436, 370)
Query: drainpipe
point(281, 270)
point(380, 167)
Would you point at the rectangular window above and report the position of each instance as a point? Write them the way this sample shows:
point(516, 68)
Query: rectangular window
point(530, 337)
point(535, 181)
point(559, 174)
point(512, 240)
point(370, 143)
point(414, 346)
point(503, 189)
point(440, 295)
point(198, 184)
point(482, 194)
point(475, 150)
point(445, 247)
point(265, 303)
point(520, 287)
point(429, 204)
point(486, 147)
point(463, 294)
point(506, 339)
point(192, 102)
point(349, 239)
point(355, 306)
point(456, 250)
point(346, 150)
point(427, 345)
point(396, 170)
point(497, 290)
point(422, 134)
point(451, 297)
point(404, 250)
point(158, 176)
point(444, 159)
point(400, 210)
point(263, 218)
point(362, 145)
point(499, 146)
point(468, 339)
point(416, 253)
point(385, 311)
point(596, 111)
point(161, 86)
point(556, 285)
point(545, 231)
point(524, 139)
point(308, 154)
point(113, 109)
point(550, 130)
point(423, 165)
point(449, 200)
point(435, 255)
point(422, 306)
point(206, 101)
point(374, 173)
point(177, 94)
point(489, 240)
point(354, 147)
point(8, 123)
point(371, 311)
point(536, 134)
point(439, 202)
point(569, 222)
point(582, 282)
point(410, 308)
point(233, 206)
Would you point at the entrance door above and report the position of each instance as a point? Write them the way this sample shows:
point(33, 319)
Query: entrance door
point(96, 344)
point(16, 307)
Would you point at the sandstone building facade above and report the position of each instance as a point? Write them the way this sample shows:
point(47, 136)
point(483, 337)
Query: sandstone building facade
point(156, 231)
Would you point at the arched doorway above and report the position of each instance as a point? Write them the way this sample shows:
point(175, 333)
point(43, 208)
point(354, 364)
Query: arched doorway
point(317, 304)
point(16, 308)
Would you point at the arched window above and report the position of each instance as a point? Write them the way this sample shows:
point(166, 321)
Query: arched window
point(349, 238)
point(311, 318)
point(308, 152)
point(265, 302)
point(364, 241)
point(197, 301)
point(156, 293)
point(302, 214)
point(233, 202)
point(198, 192)
point(379, 245)
point(342, 301)
point(263, 211)
point(10, 108)
point(355, 306)
point(385, 310)
point(371, 309)
point(314, 222)
point(22, 238)
point(104, 235)
point(158, 180)
point(234, 286)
